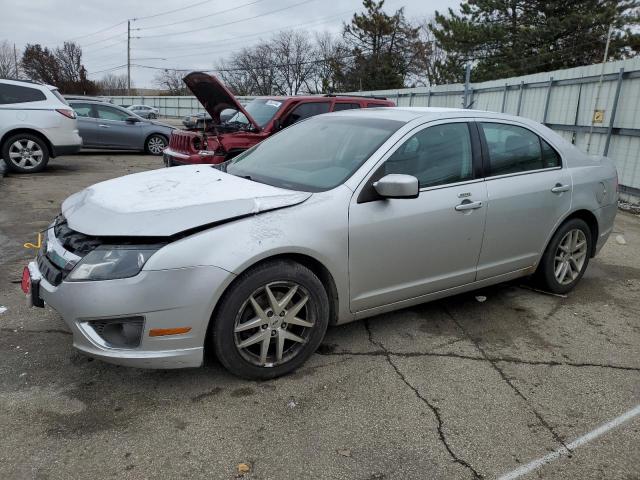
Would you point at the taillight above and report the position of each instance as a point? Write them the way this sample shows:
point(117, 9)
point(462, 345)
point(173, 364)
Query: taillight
point(67, 112)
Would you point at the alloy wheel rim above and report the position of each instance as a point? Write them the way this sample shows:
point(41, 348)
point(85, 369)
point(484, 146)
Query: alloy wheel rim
point(156, 145)
point(274, 324)
point(25, 153)
point(570, 256)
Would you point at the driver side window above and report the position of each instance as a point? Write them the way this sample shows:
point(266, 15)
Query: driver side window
point(306, 110)
point(436, 155)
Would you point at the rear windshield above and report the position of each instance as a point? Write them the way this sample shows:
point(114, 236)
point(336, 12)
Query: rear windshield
point(316, 154)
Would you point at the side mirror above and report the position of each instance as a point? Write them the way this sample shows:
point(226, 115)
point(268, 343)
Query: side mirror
point(132, 120)
point(395, 185)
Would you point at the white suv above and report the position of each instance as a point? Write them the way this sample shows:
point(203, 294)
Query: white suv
point(36, 124)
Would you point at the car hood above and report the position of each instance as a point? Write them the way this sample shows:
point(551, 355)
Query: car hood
point(214, 96)
point(168, 201)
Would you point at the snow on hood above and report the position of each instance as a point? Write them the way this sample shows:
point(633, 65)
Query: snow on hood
point(163, 202)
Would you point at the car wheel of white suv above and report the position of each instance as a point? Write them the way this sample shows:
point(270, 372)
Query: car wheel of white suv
point(271, 320)
point(25, 153)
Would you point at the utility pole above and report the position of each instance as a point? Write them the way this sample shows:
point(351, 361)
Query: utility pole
point(467, 79)
point(15, 60)
point(128, 57)
point(595, 106)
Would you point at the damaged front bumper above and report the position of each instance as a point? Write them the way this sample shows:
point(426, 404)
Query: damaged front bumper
point(152, 300)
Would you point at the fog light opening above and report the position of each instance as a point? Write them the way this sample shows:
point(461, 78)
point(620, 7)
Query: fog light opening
point(123, 332)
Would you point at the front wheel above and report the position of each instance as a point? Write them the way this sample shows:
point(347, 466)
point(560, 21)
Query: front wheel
point(566, 258)
point(271, 320)
point(155, 144)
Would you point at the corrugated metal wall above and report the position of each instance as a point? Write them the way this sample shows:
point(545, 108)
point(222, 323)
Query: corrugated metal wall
point(567, 96)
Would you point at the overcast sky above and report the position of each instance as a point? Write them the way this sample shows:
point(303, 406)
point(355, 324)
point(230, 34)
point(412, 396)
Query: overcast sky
point(203, 31)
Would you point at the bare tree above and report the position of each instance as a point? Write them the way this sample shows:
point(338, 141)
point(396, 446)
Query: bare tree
point(111, 84)
point(295, 56)
point(171, 82)
point(331, 60)
point(8, 67)
point(253, 69)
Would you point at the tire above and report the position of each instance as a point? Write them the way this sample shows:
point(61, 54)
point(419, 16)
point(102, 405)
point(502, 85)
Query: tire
point(566, 257)
point(155, 144)
point(25, 153)
point(248, 321)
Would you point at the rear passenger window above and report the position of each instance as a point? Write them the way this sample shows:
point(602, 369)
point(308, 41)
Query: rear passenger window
point(306, 110)
point(19, 94)
point(82, 109)
point(437, 155)
point(345, 106)
point(375, 105)
point(514, 149)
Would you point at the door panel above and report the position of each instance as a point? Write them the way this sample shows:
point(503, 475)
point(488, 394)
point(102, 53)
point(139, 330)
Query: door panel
point(404, 248)
point(87, 124)
point(522, 213)
point(523, 210)
point(114, 131)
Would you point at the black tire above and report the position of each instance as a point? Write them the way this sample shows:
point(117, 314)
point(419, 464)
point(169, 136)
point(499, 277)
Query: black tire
point(545, 276)
point(241, 361)
point(151, 145)
point(34, 162)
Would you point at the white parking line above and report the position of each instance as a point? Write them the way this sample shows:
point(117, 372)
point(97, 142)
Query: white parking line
point(586, 438)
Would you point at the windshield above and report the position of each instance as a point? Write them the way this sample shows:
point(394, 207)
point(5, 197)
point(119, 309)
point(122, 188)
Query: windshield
point(262, 110)
point(314, 155)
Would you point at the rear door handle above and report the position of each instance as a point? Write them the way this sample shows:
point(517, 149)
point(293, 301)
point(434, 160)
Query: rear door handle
point(560, 188)
point(467, 205)
point(103, 126)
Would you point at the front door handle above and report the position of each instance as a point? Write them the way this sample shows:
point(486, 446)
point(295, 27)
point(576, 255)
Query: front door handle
point(468, 205)
point(559, 188)
point(103, 126)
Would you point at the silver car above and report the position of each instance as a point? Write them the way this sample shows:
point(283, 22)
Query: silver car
point(144, 111)
point(337, 218)
point(103, 125)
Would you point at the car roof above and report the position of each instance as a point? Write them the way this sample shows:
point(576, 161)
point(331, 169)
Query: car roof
point(345, 98)
point(31, 83)
point(407, 114)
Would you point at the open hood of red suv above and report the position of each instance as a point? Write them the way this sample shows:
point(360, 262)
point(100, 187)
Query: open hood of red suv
point(214, 96)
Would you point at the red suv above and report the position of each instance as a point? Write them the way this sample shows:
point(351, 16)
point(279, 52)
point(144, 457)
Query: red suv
point(251, 124)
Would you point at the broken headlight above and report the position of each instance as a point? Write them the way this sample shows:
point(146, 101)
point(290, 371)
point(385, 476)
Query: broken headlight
point(109, 262)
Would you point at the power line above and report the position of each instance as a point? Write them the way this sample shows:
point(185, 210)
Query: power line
point(234, 39)
point(104, 39)
point(229, 23)
point(171, 11)
point(200, 17)
point(97, 32)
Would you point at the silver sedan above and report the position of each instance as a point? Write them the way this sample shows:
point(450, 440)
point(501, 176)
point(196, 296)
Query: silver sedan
point(106, 126)
point(337, 218)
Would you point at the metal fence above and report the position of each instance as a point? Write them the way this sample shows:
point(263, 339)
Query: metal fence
point(596, 108)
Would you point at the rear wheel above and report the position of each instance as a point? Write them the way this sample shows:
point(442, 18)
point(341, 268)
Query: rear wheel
point(25, 153)
point(566, 258)
point(271, 320)
point(155, 144)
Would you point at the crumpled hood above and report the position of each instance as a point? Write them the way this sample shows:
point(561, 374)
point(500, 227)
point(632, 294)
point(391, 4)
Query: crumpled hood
point(164, 202)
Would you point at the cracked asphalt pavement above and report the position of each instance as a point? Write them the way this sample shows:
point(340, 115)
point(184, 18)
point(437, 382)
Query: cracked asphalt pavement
point(455, 389)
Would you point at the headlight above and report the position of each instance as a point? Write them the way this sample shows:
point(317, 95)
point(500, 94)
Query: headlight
point(109, 262)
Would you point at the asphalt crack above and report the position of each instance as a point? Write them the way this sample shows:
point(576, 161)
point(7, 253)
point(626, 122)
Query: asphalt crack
point(436, 411)
point(487, 358)
point(508, 381)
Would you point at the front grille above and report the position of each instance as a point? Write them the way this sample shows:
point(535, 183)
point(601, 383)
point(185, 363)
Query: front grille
point(49, 271)
point(73, 241)
point(181, 142)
